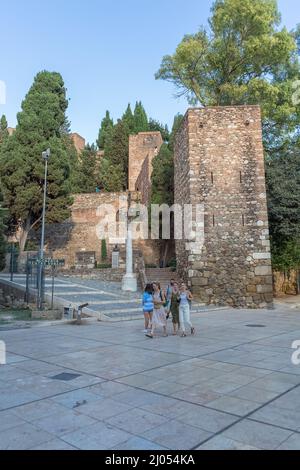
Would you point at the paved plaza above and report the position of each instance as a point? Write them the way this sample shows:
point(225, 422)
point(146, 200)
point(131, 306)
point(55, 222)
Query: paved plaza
point(106, 386)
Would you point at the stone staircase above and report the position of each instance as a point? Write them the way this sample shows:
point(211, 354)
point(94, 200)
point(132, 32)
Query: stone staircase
point(162, 275)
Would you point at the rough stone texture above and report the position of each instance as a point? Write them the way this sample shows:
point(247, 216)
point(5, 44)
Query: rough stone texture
point(143, 147)
point(78, 235)
point(219, 162)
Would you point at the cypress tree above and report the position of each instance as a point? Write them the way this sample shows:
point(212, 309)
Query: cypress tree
point(3, 129)
point(105, 131)
point(140, 118)
point(128, 119)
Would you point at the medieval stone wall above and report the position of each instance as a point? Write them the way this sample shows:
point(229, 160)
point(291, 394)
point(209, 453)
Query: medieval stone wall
point(219, 162)
point(143, 182)
point(142, 146)
point(79, 233)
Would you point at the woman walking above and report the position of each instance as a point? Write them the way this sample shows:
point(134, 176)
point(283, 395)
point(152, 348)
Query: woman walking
point(185, 310)
point(159, 318)
point(174, 308)
point(148, 306)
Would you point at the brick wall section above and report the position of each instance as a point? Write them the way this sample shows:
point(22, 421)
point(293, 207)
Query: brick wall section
point(142, 146)
point(219, 161)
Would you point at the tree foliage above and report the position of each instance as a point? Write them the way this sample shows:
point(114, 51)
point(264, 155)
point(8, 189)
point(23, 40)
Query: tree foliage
point(105, 131)
point(41, 124)
point(163, 170)
point(3, 129)
point(140, 118)
point(246, 57)
point(85, 178)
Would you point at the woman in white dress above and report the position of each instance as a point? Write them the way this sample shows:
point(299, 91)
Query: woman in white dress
point(159, 318)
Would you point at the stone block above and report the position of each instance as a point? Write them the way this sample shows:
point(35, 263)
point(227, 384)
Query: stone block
point(199, 281)
point(262, 255)
point(263, 271)
point(264, 289)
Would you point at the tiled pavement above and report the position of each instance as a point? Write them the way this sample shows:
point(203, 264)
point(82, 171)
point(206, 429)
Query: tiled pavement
point(231, 386)
point(104, 298)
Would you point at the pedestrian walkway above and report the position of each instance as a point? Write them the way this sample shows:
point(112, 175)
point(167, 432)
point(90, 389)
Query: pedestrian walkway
point(106, 299)
point(106, 386)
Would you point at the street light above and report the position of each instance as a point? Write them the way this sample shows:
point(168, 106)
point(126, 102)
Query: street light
point(46, 156)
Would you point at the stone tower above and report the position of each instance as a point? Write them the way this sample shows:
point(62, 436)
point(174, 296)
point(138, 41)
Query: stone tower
point(143, 147)
point(219, 162)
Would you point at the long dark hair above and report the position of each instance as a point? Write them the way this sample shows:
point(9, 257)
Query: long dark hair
point(149, 289)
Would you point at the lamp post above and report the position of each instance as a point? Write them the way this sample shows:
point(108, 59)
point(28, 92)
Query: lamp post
point(46, 156)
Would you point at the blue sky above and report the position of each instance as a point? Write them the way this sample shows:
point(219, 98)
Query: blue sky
point(106, 51)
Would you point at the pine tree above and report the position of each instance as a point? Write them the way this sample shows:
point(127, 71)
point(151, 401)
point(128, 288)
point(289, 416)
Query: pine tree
point(3, 129)
point(140, 118)
point(39, 127)
point(105, 131)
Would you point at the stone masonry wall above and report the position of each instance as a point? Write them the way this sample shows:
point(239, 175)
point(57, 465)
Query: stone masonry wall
point(142, 146)
point(219, 156)
point(79, 235)
point(144, 182)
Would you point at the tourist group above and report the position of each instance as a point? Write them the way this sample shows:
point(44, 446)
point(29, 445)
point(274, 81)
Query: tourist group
point(159, 306)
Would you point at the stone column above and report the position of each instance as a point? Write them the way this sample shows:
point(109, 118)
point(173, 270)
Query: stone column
point(129, 283)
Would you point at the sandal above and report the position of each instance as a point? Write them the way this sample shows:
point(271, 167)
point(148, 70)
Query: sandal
point(149, 335)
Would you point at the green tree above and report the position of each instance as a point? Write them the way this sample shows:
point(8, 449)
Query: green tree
point(162, 179)
point(157, 126)
point(140, 118)
point(283, 183)
point(105, 131)
point(247, 58)
point(86, 177)
point(111, 177)
point(116, 153)
point(3, 129)
point(234, 62)
point(40, 125)
point(128, 120)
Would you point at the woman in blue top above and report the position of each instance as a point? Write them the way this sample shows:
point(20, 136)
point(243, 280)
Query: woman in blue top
point(148, 306)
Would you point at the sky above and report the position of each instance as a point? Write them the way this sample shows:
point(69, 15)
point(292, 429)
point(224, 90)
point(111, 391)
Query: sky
point(107, 52)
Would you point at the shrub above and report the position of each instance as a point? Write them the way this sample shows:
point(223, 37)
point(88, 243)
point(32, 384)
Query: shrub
point(103, 250)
